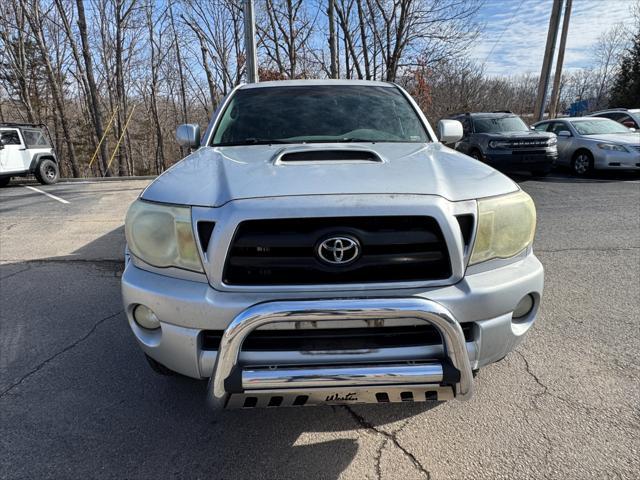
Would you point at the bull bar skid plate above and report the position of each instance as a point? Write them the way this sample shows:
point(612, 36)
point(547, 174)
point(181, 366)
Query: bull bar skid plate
point(232, 386)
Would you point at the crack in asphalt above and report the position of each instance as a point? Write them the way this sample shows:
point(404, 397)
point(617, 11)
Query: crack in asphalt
point(388, 437)
point(28, 267)
point(379, 459)
point(42, 364)
point(533, 375)
point(545, 388)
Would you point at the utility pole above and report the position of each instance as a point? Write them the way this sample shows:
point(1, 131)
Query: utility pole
point(555, 91)
point(250, 42)
point(543, 85)
point(333, 43)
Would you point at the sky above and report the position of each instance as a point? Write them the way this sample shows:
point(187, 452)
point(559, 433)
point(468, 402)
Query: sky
point(515, 33)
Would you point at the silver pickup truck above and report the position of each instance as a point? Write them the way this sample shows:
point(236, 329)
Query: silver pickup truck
point(321, 245)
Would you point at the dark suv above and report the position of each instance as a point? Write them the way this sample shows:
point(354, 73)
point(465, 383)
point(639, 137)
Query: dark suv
point(505, 142)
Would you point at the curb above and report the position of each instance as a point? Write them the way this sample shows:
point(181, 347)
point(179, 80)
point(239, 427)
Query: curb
point(106, 179)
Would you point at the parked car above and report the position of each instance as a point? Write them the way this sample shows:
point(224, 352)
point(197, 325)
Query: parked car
point(630, 118)
point(504, 141)
point(586, 144)
point(26, 149)
point(321, 246)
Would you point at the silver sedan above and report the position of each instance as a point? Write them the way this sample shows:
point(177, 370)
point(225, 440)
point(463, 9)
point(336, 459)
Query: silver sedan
point(589, 143)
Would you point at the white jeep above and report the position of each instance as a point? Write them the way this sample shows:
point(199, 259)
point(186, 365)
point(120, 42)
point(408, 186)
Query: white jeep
point(27, 149)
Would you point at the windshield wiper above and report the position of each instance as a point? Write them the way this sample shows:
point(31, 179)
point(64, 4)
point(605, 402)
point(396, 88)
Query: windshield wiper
point(347, 140)
point(252, 141)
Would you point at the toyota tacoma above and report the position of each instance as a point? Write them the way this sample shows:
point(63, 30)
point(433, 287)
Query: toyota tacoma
point(321, 245)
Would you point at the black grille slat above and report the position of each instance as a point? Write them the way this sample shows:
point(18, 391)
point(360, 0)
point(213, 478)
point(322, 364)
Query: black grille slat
point(283, 251)
point(294, 239)
point(321, 339)
point(306, 262)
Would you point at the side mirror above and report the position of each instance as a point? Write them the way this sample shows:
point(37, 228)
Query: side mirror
point(188, 135)
point(449, 131)
point(564, 133)
point(532, 127)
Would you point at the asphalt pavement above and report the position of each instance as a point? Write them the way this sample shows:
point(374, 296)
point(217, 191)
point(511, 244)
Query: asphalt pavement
point(77, 399)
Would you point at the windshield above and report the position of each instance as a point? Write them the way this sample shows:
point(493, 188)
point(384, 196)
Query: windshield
point(318, 113)
point(596, 127)
point(499, 125)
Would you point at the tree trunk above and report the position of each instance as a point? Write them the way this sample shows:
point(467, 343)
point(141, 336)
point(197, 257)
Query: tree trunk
point(94, 103)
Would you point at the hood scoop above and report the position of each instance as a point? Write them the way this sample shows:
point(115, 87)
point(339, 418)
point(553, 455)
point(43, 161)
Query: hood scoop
point(316, 155)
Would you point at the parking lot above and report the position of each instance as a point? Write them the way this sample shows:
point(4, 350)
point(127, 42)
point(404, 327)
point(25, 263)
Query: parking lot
point(78, 399)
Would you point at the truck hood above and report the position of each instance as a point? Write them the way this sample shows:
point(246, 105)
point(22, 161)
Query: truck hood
point(214, 176)
point(529, 135)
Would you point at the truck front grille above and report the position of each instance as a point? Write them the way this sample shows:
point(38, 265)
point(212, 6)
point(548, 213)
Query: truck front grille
point(285, 251)
point(528, 143)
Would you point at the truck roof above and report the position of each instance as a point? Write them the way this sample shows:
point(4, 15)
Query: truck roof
point(306, 83)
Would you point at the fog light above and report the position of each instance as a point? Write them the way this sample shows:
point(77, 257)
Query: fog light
point(524, 307)
point(145, 317)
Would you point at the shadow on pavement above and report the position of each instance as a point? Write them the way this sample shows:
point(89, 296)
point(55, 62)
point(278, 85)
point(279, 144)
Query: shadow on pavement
point(78, 399)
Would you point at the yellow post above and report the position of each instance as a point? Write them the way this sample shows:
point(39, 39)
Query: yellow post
point(104, 135)
point(120, 139)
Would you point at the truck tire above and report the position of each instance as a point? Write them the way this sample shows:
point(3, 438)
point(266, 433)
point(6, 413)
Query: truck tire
point(47, 172)
point(4, 181)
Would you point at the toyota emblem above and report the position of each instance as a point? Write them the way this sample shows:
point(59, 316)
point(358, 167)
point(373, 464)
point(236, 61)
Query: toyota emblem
point(339, 250)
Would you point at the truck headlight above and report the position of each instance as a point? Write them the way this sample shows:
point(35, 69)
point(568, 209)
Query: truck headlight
point(162, 236)
point(612, 146)
point(506, 226)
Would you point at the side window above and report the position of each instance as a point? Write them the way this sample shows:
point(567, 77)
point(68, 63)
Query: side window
point(627, 121)
point(466, 125)
point(557, 127)
point(35, 138)
point(10, 137)
point(542, 127)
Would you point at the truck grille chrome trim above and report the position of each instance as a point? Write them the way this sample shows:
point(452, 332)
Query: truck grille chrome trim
point(332, 376)
point(228, 378)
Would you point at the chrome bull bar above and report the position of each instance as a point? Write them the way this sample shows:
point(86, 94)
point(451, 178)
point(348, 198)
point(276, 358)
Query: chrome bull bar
point(359, 382)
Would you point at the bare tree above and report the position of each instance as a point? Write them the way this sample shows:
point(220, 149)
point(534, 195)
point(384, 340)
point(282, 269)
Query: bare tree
point(35, 20)
point(608, 51)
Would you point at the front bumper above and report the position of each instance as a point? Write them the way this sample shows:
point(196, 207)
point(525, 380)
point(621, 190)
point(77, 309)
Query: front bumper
point(234, 385)
point(514, 160)
point(613, 160)
point(186, 308)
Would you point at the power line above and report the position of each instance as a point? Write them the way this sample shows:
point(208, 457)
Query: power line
point(504, 30)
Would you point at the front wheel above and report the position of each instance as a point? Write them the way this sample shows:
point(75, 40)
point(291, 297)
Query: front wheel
point(48, 172)
point(582, 164)
point(4, 181)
